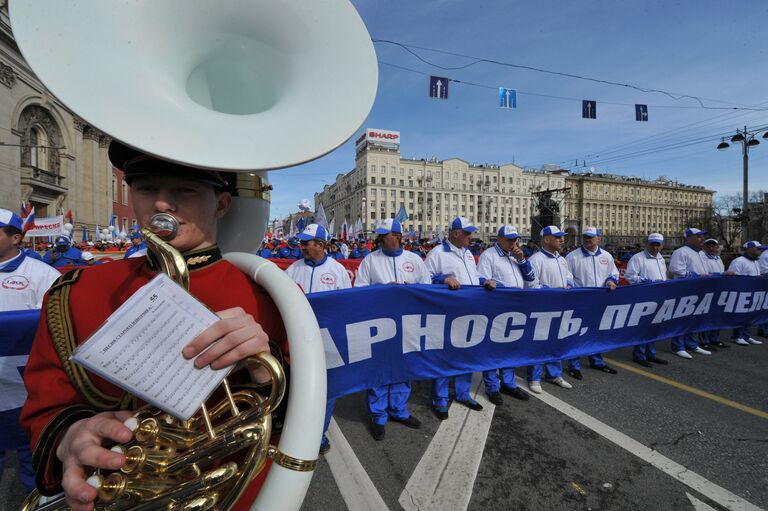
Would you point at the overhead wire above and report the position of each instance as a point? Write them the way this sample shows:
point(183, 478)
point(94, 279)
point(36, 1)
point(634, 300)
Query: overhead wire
point(410, 48)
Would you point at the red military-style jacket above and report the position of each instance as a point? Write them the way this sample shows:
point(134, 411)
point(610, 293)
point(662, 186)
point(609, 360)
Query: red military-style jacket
point(61, 393)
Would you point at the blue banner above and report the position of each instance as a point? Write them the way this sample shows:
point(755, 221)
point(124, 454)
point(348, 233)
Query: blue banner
point(18, 330)
point(385, 334)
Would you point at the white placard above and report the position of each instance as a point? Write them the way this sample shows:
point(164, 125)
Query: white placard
point(138, 348)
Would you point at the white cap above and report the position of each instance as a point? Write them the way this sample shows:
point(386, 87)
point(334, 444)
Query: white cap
point(86, 256)
point(655, 237)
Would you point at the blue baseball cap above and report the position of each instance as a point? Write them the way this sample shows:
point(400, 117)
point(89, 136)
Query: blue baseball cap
point(693, 231)
point(552, 230)
point(135, 235)
point(462, 223)
point(655, 237)
point(314, 232)
point(389, 225)
point(61, 241)
point(753, 244)
point(10, 219)
point(509, 232)
point(591, 232)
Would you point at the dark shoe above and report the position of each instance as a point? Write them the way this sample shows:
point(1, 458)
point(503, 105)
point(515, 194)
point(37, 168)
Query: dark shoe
point(325, 445)
point(575, 373)
point(471, 404)
point(606, 369)
point(659, 361)
point(515, 392)
point(409, 422)
point(721, 344)
point(709, 347)
point(495, 398)
point(378, 432)
point(643, 363)
point(441, 412)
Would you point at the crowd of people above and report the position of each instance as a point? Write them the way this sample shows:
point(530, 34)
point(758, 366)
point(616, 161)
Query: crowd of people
point(454, 262)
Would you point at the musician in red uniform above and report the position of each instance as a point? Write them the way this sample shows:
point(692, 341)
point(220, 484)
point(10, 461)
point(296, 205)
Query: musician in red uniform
point(71, 413)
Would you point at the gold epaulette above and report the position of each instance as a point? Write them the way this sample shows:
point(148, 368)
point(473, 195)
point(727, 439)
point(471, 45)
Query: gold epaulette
point(63, 336)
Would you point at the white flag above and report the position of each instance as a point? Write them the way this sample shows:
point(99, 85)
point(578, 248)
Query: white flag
point(332, 227)
point(320, 217)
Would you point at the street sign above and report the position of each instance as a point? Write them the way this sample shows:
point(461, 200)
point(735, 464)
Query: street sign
point(641, 113)
point(438, 87)
point(507, 98)
point(589, 109)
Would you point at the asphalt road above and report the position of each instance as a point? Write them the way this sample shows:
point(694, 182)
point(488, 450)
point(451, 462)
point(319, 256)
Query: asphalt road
point(535, 455)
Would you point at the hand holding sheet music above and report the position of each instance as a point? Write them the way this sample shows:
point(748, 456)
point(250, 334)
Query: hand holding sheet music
point(139, 348)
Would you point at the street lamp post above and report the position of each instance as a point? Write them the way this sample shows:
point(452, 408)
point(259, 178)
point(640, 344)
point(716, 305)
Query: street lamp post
point(748, 139)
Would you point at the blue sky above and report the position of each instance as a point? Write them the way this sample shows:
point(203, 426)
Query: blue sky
point(703, 48)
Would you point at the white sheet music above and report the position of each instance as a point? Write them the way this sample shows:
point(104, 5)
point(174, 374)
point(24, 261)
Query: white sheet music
point(138, 348)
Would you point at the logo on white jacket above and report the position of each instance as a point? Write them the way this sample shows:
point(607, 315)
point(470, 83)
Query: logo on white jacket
point(16, 283)
point(408, 267)
point(603, 260)
point(328, 279)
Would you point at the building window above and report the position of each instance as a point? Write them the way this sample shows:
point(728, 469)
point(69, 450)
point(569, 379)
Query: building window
point(114, 188)
point(373, 169)
point(125, 192)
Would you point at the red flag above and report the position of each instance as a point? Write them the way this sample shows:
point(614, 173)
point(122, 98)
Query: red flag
point(68, 216)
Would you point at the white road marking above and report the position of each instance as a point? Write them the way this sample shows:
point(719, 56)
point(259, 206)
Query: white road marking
point(689, 478)
point(356, 487)
point(699, 505)
point(444, 478)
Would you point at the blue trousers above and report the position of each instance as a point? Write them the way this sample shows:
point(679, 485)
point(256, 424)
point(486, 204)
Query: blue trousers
point(553, 370)
point(491, 379)
point(461, 383)
point(710, 337)
point(644, 351)
point(329, 406)
point(26, 472)
point(684, 342)
point(744, 332)
point(596, 361)
point(389, 400)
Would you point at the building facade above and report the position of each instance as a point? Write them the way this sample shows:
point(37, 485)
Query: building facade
point(432, 191)
point(626, 209)
point(48, 156)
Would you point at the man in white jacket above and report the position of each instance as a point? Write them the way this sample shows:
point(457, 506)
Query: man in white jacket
point(747, 264)
point(591, 267)
point(504, 262)
point(315, 273)
point(687, 263)
point(551, 270)
point(452, 264)
point(713, 264)
point(390, 264)
point(647, 266)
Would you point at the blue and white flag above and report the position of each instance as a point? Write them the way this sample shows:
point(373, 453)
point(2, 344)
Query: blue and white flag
point(18, 330)
point(402, 215)
point(320, 218)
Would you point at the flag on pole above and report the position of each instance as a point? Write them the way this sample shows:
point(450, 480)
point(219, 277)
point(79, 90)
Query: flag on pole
point(68, 216)
point(301, 225)
point(85, 234)
point(402, 215)
point(28, 222)
point(344, 230)
point(332, 227)
point(320, 218)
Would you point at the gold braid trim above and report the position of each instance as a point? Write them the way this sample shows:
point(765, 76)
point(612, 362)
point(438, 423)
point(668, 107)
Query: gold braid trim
point(63, 335)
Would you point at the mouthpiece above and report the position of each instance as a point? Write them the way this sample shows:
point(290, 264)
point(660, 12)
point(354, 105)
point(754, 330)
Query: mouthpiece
point(164, 225)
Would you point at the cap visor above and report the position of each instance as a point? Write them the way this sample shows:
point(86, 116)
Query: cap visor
point(470, 228)
point(304, 237)
point(382, 231)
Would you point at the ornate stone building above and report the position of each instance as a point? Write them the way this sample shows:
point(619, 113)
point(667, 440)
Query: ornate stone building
point(48, 156)
point(433, 191)
point(627, 209)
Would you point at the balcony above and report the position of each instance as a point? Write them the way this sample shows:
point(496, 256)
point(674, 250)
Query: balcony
point(40, 179)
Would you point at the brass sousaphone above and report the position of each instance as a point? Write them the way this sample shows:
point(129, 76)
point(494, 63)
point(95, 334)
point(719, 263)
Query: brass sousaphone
point(231, 85)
